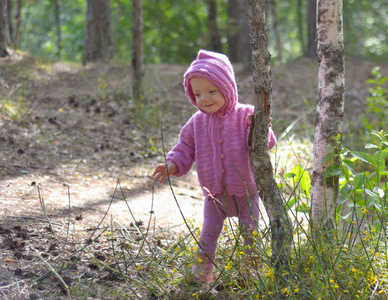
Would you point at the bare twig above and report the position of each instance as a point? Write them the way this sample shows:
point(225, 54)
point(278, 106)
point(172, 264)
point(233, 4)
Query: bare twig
point(44, 209)
point(56, 274)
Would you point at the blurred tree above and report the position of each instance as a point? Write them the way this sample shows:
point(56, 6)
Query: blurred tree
point(10, 25)
point(239, 50)
point(116, 25)
point(215, 38)
point(234, 32)
point(330, 106)
point(18, 24)
point(275, 25)
point(311, 28)
point(299, 21)
point(137, 55)
point(98, 41)
point(58, 26)
point(4, 29)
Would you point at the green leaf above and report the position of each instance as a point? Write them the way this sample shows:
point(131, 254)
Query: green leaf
point(348, 163)
point(328, 157)
point(358, 181)
point(303, 178)
point(365, 157)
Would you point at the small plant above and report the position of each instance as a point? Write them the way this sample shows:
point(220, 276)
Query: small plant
point(12, 103)
point(377, 102)
point(365, 193)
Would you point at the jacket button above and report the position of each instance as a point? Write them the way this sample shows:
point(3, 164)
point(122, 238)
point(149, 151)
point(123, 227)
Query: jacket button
point(219, 127)
point(220, 141)
point(222, 156)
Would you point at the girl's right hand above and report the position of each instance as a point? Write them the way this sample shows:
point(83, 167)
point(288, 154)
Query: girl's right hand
point(161, 171)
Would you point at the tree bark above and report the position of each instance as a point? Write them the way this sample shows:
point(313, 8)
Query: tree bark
point(299, 21)
point(137, 44)
point(280, 224)
point(10, 25)
point(18, 24)
point(98, 38)
point(233, 31)
point(275, 26)
point(330, 106)
point(58, 27)
point(215, 38)
point(312, 28)
point(4, 29)
point(238, 34)
point(116, 26)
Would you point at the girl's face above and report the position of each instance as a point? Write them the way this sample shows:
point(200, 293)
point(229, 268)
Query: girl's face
point(208, 97)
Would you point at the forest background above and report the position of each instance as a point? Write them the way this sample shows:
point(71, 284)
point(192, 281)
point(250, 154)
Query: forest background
point(71, 127)
point(175, 30)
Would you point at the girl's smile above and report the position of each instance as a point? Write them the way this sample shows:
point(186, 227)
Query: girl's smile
point(208, 97)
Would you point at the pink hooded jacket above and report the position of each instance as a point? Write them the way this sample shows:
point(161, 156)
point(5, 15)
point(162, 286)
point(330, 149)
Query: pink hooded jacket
point(217, 142)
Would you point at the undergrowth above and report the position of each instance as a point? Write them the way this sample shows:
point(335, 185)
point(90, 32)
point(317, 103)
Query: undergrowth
point(347, 262)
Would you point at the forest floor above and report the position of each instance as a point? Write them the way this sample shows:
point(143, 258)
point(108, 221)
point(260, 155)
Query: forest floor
point(77, 155)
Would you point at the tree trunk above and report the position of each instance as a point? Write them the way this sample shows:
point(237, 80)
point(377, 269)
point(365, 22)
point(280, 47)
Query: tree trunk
point(116, 26)
point(280, 224)
point(4, 29)
point(18, 24)
point(215, 39)
point(137, 55)
point(98, 38)
point(275, 25)
point(234, 33)
point(238, 34)
point(58, 26)
point(299, 20)
point(312, 28)
point(10, 26)
point(328, 126)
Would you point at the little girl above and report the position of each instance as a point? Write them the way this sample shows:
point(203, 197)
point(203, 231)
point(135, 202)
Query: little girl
point(216, 139)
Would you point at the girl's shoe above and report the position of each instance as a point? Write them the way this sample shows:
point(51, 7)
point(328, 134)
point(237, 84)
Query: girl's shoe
point(203, 267)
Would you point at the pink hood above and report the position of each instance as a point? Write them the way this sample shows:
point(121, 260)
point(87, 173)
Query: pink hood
point(216, 68)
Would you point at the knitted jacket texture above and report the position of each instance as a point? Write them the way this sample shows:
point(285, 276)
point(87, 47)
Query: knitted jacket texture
point(217, 142)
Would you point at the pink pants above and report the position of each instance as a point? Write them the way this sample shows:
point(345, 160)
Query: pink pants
point(216, 211)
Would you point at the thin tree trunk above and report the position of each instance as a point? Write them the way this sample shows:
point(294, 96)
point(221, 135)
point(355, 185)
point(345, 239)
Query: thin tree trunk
point(116, 26)
point(10, 26)
point(18, 24)
point(280, 224)
point(159, 18)
point(328, 127)
point(58, 26)
point(246, 52)
point(239, 50)
point(4, 30)
point(234, 33)
point(299, 20)
point(215, 39)
point(311, 28)
point(275, 25)
point(137, 55)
